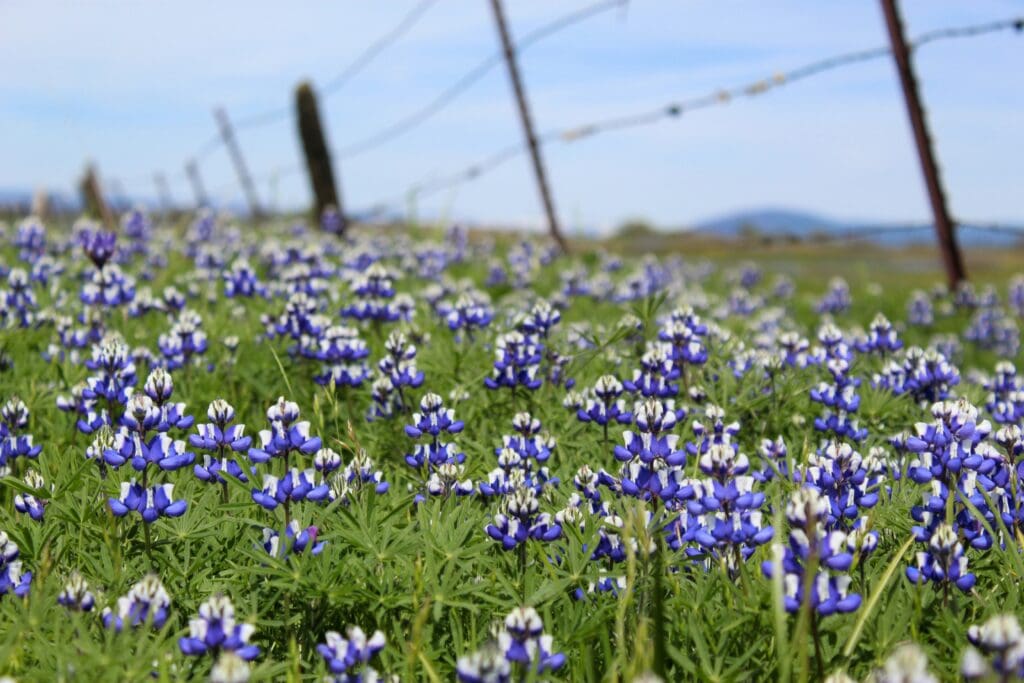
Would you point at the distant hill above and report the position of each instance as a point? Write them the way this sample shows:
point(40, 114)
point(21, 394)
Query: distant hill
point(800, 225)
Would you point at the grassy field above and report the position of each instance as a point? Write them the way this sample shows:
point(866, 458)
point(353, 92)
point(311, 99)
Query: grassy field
point(634, 574)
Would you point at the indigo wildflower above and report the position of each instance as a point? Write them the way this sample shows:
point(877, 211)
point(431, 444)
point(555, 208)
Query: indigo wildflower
point(348, 656)
point(525, 644)
point(943, 562)
point(230, 668)
point(881, 338)
point(296, 541)
point(517, 360)
point(343, 355)
point(76, 595)
point(150, 503)
point(399, 366)
point(434, 422)
point(15, 441)
point(810, 544)
point(146, 603)
point(374, 291)
point(30, 504)
point(521, 519)
point(286, 435)
point(12, 579)
point(1000, 648)
point(215, 630)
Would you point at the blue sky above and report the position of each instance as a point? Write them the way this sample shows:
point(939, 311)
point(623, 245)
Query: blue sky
point(132, 84)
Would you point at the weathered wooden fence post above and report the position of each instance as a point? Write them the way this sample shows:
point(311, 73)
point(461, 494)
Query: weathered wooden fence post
point(196, 181)
point(163, 193)
point(524, 117)
point(227, 133)
point(318, 154)
point(944, 228)
point(92, 198)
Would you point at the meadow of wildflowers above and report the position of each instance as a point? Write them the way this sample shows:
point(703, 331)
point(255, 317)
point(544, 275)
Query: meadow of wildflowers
point(235, 454)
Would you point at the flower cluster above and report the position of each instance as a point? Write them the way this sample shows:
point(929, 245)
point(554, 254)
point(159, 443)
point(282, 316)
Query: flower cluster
point(146, 603)
point(521, 645)
point(215, 630)
point(12, 578)
point(347, 657)
point(812, 549)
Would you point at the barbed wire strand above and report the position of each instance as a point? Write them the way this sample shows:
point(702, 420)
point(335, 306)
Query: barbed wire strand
point(720, 97)
point(438, 103)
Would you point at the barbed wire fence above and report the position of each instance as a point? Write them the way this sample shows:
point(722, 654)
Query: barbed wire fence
point(572, 134)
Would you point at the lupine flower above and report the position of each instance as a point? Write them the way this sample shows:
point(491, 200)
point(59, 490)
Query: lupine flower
point(881, 338)
point(486, 665)
point(151, 503)
point(724, 516)
point(343, 355)
point(607, 407)
point(399, 365)
point(907, 664)
point(12, 579)
point(657, 374)
point(98, 244)
point(18, 303)
point(348, 656)
point(108, 287)
point(525, 644)
point(849, 482)
point(806, 513)
point(926, 375)
point(146, 603)
point(434, 421)
point(836, 299)
point(29, 504)
point(521, 519)
point(230, 668)
point(286, 434)
point(161, 450)
point(685, 333)
point(374, 290)
point(517, 360)
point(1000, 647)
point(185, 342)
point(358, 474)
point(297, 540)
point(919, 310)
point(220, 436)
point(652, 464)
point(470, 312)
point(159, 387)
point(215, 630)
point(993, 330)
point(30, 239)
point(114, 373)
point(76, 595)
point(951, 442)
point(839, 397)
point(1005, 401)
point(773, 457)
point(943, 562)
point(15, 442)
point(294, 486)
point(241, 280)
point(447, 479)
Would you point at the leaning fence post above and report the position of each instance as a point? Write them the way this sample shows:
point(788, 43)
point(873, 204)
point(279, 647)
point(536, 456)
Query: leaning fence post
point(196, 181)
point(524, 117)
point(944, 228)
point(92, 197)
point(317, 154)
point(227, 133)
